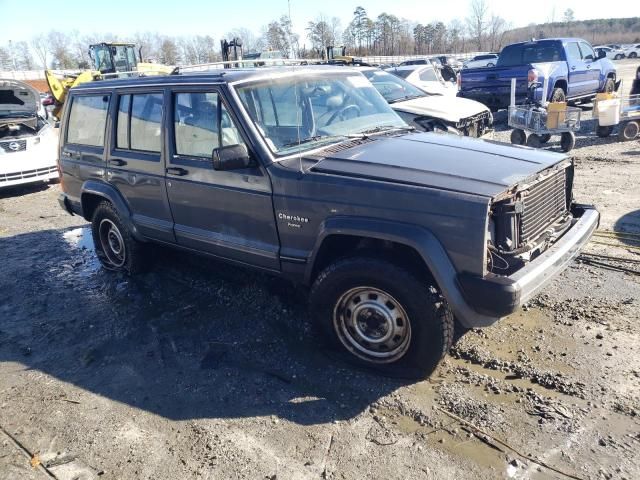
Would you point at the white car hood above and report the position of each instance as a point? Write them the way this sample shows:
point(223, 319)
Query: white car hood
point(18, 98)
point(451, 109)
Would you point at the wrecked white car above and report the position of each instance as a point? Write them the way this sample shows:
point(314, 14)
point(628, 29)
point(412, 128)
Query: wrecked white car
point(28, 143)
point(431, 112)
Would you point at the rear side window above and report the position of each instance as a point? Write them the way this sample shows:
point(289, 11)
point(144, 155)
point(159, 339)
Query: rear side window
point(521, 54)
point(87, 120)
point(124, 110)
point(146, 122)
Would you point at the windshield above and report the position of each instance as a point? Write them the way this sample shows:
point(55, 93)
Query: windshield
point(404, 73)
point(298, 113)
point(391, 87)
point(102, 58)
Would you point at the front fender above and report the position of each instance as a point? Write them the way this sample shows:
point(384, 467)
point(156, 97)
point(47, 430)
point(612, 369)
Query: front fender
point(110, 193)
point(422, 241)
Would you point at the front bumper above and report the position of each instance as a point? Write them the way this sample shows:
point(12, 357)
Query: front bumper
point(23, 177)
point(493, 296)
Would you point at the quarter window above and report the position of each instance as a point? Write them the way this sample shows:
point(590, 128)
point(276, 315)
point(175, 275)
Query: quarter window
point(428, 75)
point(202, 124)
point(87, 120)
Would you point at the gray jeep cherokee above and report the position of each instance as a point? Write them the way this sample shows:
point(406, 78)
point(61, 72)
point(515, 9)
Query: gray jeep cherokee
point(307, 173)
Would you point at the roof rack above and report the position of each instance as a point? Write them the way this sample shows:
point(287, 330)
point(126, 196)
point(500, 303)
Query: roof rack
point(247, 63)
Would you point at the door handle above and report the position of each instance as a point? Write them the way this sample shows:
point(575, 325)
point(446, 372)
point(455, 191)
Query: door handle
point(117, 162)
point(573, 68)
point(177, 171)
point(71, 154)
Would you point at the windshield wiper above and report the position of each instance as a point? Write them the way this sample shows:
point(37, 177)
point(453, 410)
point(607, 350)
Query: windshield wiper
point(311, 139)
point(381, 129)
point(408, 97)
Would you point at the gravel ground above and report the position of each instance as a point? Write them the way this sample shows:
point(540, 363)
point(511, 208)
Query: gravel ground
point(201, 370)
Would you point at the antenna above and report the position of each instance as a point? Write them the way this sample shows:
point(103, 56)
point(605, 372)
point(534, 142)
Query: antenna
point(295, 89)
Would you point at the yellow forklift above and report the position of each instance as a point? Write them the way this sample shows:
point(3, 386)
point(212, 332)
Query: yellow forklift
point(109, 60)
point(338, 56)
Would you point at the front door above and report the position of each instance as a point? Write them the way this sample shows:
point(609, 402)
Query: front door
point(593, 69)
point(578, 80)
point(226, 213)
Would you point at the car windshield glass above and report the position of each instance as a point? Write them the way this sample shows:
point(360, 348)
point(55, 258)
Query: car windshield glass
point(295, 113)
point(404, 73)
point(393, 88)
point(521, 54)
point(102, 58)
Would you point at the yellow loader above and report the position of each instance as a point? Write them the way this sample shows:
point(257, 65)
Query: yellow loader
point(110, 60)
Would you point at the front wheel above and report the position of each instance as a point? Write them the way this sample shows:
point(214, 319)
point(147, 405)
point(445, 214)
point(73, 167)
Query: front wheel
point(633, 55)
point(558, 95)
point(609, 86)
point(567, 141)
point(382, 316)
point(534, 141)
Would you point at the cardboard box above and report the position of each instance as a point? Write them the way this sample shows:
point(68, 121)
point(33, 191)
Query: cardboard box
point(556, 114)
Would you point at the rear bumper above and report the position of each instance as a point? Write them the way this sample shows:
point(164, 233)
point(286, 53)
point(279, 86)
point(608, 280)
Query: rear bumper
point(493, 297)
point(72, 208)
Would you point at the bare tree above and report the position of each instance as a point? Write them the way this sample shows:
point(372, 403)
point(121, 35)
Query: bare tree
point(40, 46)
point(477, 22)
point(568, 16)
point(59, 49)
point(249, 40)
point(495, 32)
point(23, 57)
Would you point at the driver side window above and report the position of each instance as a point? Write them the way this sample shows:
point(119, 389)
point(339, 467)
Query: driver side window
point(587, 52)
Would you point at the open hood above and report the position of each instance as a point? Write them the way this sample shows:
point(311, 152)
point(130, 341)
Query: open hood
point(19, 103)
point(450, 109)
point(448, 162)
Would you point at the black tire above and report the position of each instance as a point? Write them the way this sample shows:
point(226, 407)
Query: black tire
point(609, 86)
point(603, 131)
point(545, 138)
point(628, 131)
point(633, 55)
point(567, 141)
point(518, 137)
point(115, 247)
point(418, 325)
point(490, 65)
point(534, 141)
point(618, 57)
point(558, 95)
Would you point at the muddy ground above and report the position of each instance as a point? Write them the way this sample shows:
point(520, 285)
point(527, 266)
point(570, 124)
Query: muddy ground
point(201, 370)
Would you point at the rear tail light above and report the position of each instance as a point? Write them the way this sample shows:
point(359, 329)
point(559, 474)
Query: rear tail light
point(532, 76)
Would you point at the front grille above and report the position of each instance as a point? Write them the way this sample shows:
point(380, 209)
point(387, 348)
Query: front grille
point(27, 174)
point(476, 125)
point(543, 204)
point(13, 146)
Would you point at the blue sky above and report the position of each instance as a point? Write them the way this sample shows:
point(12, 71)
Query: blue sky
point(216, 17)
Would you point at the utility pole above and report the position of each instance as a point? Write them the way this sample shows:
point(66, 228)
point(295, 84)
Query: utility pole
point(13, 59)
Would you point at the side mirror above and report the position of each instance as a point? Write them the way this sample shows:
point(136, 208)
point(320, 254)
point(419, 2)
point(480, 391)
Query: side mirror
point(233, 157)
point(601, 54)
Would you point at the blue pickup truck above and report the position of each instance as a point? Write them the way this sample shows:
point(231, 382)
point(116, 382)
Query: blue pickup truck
point(574, 70)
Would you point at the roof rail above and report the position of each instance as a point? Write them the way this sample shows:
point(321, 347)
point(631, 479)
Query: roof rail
point(248, 63)
point(136, 74)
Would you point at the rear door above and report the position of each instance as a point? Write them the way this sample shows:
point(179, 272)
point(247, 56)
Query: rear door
point(578, 73)
point(226, 213)
point(82, 153)
point(134, 163)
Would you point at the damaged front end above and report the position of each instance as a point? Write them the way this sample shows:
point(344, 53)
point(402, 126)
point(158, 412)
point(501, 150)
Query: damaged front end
point(528, 219)
point(476, 125)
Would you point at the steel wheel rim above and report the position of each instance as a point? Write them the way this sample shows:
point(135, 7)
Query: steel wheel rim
point(112, 243)
point(372, 325)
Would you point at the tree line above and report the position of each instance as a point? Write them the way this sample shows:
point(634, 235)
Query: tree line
point(386, 34)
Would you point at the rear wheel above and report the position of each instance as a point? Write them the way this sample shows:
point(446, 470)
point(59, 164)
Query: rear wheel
point(115, 247)
point(382, 316)
point(604, 131)
point(629, 131)
point(518, 136)
point(618, 57)
point(633, 55)
point(567, 141)
point(534, 141)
